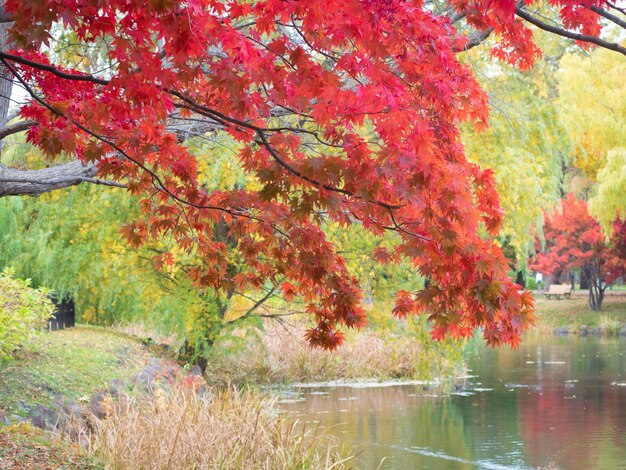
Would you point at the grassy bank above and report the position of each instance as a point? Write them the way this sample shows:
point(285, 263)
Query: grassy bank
point(226, 428)
point(72, 363)
point(575, 312)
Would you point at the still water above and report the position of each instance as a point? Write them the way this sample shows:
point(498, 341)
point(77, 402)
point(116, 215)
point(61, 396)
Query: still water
point(557, 403)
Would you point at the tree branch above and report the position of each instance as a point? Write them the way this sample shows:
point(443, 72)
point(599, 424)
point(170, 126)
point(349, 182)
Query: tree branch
point(569, 34)
point(15, 128)
point(17, 182)
point(476, 38)
point(53, 70)
point(609, 16)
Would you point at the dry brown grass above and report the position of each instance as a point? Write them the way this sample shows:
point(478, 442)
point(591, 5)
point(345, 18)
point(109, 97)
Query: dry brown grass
point(283, 356)
point(224, 429)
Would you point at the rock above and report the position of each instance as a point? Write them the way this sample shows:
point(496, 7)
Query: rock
point(45, 418)
point(164, 347)
point(165, 372)
point(64, 416)
point(16, 419)
point(622, 332)
point(70, 409)
point(98, 405)
point(23, 409)
point(597, 331)
point(196, 370)
point(118, 387)
point(4, 420)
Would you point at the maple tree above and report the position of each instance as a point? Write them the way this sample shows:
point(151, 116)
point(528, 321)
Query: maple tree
point(525, 145)
point(344, 111)
point(574, 239)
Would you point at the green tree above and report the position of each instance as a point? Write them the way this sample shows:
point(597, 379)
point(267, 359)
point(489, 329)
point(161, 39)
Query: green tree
point(525, 144)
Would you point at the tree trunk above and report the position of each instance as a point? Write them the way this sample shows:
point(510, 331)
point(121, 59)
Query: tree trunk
point(6, 82)
point(596, 290)
point(584, 282)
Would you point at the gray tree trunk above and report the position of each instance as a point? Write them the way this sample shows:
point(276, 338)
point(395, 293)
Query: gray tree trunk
point(6, 83)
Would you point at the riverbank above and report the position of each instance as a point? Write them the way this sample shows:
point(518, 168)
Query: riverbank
point(82, 397)
point(574, 316)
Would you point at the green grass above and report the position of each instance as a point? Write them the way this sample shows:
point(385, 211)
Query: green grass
point(72, 363)
point(575, 312)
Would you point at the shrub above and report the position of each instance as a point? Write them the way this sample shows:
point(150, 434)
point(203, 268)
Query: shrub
point(23, 312)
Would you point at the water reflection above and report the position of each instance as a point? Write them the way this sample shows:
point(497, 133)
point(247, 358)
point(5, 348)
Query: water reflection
point(556, 402)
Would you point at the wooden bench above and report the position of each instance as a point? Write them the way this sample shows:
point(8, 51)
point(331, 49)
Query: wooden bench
point(558, 291)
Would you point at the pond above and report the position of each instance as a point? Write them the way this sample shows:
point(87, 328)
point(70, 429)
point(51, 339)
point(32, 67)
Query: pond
point(554, 403)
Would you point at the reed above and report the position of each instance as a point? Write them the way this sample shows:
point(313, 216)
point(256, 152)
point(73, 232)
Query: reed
point(227, 429)
point(281, 355)
point(610, 326)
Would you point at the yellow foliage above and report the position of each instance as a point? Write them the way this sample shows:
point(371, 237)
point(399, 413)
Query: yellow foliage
point(592, 105)
point(609, 200)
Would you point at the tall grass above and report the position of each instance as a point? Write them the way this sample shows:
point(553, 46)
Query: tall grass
point(610, 326)
point(281, 355)
point(226, 429)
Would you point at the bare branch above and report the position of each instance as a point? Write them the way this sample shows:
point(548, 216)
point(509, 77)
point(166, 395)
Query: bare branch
point(609, 16)
point(15, 128)
point(49, 68)
point(259, 302)
point(476, 38)
point(613, 46)
point(17, 182)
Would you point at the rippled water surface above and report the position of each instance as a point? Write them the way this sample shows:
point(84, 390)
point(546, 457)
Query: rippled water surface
point(555, 403)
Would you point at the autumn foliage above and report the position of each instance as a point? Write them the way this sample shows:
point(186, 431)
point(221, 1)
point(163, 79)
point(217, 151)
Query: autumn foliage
point(574, 240)
point(345, 110)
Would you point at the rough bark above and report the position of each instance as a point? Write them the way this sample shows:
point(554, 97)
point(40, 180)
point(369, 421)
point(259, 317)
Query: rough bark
point(16, 182)
point(6, 83)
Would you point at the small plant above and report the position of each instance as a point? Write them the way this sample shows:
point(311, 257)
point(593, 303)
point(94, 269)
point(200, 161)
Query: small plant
point(23, 312)
point(609, 326)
